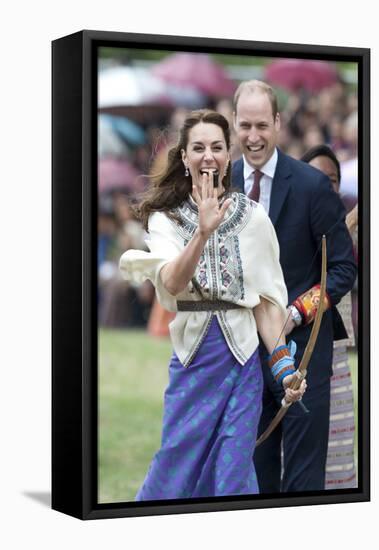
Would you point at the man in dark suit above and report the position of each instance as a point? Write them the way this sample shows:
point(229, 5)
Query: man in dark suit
point(302, 206)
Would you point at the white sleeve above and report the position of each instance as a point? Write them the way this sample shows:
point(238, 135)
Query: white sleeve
point(268, 277)
point(164, 246)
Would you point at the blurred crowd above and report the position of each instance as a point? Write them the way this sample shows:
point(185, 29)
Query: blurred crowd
point(129, 153)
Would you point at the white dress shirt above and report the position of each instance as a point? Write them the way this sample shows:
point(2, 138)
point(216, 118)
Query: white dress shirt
point(268, 171)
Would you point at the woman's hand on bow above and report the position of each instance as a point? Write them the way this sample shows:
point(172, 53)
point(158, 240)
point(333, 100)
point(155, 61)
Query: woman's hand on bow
point(293, 395)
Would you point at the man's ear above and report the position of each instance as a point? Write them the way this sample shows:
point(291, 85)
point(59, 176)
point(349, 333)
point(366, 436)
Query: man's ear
point(235, 120)
point(277, 122)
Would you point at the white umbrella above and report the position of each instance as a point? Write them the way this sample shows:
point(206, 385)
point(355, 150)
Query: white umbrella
point(126, 85)
point(349, 183)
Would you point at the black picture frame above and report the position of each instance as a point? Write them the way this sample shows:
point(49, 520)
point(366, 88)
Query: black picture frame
point(74, 328)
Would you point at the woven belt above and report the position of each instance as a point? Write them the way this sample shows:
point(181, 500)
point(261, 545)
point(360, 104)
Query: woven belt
point(206, 305)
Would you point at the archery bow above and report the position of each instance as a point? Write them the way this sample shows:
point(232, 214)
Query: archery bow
point(302, 370)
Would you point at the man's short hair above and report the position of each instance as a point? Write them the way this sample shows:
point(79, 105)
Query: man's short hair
point(252, 86)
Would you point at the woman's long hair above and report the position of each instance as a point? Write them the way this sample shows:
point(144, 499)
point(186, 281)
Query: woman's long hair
point(170, 188)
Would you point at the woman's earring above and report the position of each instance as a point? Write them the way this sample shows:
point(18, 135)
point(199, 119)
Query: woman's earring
point(186, 172)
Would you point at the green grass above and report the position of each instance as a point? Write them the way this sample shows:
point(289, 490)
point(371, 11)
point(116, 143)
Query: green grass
point(132, 380)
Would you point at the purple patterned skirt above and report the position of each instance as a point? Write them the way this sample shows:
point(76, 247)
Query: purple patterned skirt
point(210, 421)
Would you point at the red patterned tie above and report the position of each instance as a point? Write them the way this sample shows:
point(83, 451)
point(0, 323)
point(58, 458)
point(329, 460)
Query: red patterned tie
point(255, 190)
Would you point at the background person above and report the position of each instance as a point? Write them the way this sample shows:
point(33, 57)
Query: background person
point(340, 466)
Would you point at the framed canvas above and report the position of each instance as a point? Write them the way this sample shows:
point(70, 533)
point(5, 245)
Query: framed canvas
point(119, 100)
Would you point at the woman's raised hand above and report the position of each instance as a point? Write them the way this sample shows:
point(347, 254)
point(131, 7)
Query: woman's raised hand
point(211, 213)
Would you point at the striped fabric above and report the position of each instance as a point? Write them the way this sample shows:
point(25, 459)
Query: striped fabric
point(340, 466)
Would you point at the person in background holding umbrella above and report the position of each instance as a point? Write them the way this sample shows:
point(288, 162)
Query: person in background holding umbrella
point(340, 467)
point(302, 207)
point(214, 260)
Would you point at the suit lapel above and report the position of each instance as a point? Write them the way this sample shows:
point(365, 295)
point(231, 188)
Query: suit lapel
point(238, 181)
point(280, 187)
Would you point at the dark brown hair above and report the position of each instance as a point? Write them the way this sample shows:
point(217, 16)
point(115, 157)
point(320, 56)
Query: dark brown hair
point(252, 86)
point(170, 188)
point(322, 151)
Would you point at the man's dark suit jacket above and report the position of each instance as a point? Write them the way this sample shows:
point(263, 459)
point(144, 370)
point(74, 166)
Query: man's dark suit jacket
point(303, 207)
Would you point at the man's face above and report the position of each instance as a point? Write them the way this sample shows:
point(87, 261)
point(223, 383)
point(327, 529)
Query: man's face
point(256, 128)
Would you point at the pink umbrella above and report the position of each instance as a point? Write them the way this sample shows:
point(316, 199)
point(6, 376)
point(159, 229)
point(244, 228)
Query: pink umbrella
point(117, 173)
point(197, 71)
point(296, 74)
